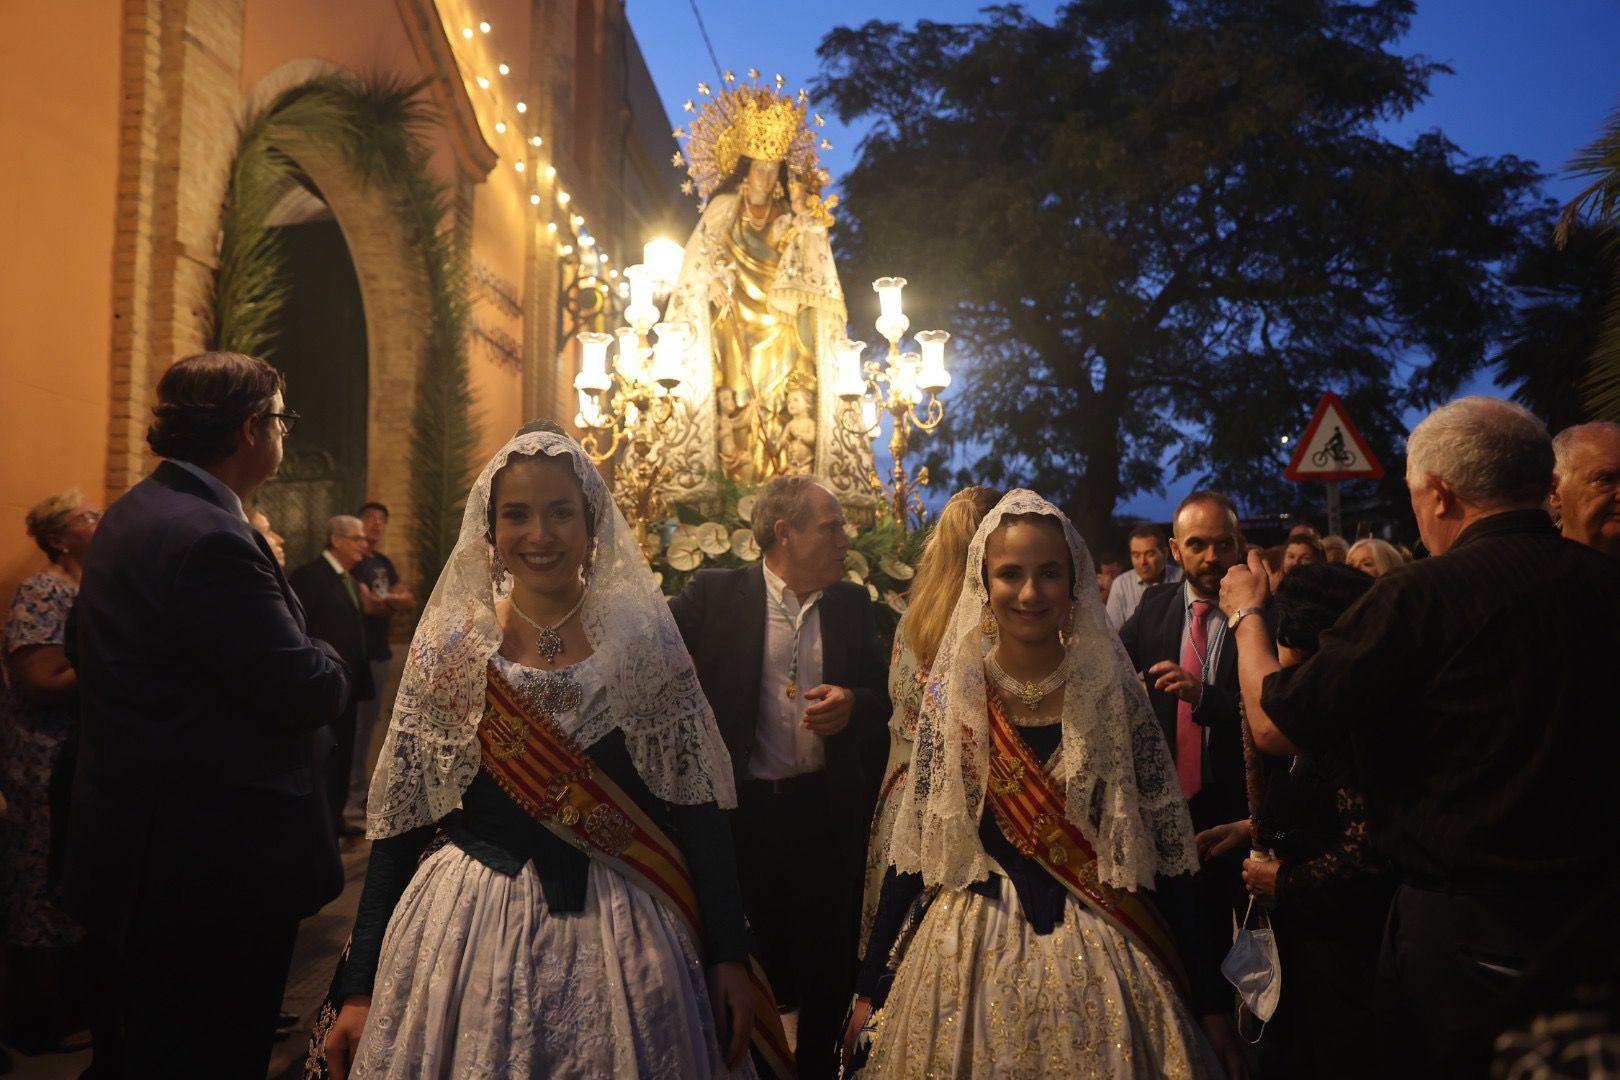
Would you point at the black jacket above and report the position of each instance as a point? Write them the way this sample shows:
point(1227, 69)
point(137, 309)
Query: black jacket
point(204, 703)
point(1153, 634)
point(334, 618)
point(721, 614)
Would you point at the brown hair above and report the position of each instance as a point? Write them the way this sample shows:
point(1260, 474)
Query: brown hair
point(203, 401)
point(939, 575)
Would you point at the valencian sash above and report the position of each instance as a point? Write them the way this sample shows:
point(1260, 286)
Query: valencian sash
point(1030, 810)
point(561, 788)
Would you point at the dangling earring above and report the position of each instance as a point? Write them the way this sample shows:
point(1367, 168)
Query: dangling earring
point(987, 624)
point(497, 568)
point(1066, 630)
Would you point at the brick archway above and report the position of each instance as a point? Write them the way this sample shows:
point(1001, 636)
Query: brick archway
point(394, 292)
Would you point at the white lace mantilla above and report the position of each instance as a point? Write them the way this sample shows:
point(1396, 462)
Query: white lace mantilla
point(430, 754)
point(1114, 768)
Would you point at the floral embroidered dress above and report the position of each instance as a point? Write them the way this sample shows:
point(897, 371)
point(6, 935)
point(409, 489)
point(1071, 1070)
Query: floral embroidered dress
point(509, 954)
point(33, 739)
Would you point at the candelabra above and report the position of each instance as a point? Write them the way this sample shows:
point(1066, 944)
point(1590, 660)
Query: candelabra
point(630, 414)
point(897, 386)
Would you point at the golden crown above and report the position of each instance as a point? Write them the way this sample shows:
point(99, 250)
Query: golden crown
point(769, 125)
point(756, 121)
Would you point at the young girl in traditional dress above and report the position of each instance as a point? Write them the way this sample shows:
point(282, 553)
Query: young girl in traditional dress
point(1015, 936)
point(582, 916)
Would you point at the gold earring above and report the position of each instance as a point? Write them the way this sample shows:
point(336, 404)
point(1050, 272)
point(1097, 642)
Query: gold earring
point(497, 568)
point(987, 624)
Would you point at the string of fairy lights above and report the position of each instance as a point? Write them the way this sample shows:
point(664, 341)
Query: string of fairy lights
point(523, 144)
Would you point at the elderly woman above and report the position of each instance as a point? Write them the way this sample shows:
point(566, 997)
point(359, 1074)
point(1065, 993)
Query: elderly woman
point(40, 706)
point(1374, 557)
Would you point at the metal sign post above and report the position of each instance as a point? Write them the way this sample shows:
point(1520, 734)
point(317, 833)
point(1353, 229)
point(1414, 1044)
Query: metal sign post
point(1332, 450)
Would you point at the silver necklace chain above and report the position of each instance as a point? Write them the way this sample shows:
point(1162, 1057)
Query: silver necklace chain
point(550, 643)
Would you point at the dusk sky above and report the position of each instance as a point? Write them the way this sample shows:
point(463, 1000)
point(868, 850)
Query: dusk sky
point(1534, 79)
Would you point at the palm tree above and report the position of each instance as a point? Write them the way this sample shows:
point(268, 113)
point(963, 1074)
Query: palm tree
point(1599, 205)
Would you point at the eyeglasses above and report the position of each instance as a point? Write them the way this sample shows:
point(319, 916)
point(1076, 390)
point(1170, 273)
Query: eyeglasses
point(288, 419)
point(85, 517)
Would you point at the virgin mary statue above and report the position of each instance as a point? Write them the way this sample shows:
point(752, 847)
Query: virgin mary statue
point(759, 287)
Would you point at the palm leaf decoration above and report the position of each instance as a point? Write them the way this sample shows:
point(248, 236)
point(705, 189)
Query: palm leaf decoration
point(378, 123)
point(1599, 206)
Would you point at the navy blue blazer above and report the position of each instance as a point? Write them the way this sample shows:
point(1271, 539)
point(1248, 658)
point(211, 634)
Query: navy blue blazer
point(203, 704)
point(1153, 634)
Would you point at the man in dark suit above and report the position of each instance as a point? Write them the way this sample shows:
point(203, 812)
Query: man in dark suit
point(331, 599)
point(198, 834)
point(1178, 639)
point(788, 655)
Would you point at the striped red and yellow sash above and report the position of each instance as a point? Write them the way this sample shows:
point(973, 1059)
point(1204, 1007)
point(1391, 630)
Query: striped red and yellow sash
point(1030, 811)
point(559, 786)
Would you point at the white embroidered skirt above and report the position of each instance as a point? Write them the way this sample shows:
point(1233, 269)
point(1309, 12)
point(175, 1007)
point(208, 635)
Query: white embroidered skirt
point(979, 993)
point(479, 979)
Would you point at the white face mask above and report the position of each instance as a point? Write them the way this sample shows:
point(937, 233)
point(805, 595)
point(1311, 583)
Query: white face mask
point(1252, 966)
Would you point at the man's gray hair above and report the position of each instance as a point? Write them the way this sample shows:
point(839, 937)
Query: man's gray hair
point(342, 524)
point(785, 498)
point(1566, 442)
point(1489, 451)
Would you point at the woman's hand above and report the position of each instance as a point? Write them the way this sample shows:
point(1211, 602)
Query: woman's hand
point(1222, 838)
point(731, 995)
point(857, 1020)
point(344, 1036)
point(1260, 878)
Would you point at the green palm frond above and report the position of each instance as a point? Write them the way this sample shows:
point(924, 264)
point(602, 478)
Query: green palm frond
point(1601, 386)
point(379, 123)
point(1599, 204)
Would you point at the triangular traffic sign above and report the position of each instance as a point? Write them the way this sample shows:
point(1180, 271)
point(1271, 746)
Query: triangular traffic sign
point(1332, 447)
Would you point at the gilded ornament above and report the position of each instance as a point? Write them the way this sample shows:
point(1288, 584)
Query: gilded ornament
point(609, 829)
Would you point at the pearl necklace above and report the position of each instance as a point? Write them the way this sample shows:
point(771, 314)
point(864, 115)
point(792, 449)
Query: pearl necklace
point(550, 643)
point(1031, 694)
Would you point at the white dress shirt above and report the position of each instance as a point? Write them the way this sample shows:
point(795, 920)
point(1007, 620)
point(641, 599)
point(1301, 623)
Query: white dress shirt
point(783, 746)
point(1125, 595)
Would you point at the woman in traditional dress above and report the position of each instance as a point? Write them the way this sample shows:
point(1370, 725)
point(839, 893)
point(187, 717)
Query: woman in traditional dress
point(929, 605)
point(550, 727)
point(1041, 807)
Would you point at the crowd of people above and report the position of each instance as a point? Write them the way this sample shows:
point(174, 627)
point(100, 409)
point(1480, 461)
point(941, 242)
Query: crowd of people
point(1049, 830)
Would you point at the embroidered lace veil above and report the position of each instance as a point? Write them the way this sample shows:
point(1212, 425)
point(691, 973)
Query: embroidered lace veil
point(431, 755)
point(1113, 767)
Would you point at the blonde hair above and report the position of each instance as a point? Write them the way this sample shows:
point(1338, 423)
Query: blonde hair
point(49, 518)
point(1384, 554)
point(939, 576)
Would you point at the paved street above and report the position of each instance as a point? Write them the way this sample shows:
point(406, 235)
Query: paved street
point(320, 939)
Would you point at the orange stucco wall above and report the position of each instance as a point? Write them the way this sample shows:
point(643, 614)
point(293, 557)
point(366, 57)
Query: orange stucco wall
point(59, 94)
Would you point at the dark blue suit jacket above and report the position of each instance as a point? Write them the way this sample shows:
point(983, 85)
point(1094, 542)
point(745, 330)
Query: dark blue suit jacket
point(204, 704)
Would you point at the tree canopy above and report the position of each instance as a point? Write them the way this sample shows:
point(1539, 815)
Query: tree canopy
point(1161, 228)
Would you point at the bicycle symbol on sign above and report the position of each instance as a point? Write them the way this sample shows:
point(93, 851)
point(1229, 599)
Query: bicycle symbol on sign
point(1334, 450)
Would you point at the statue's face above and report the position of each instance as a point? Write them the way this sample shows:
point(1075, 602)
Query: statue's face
point(798, 403)
point(761, 178)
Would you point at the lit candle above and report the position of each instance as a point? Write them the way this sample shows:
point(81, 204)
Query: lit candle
point(593, 375)
point(933, 377)
point(630, 360)
point(891, 320)
point(642, 312)
point(664, 256)
point(849, 384)
point(669, 354)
